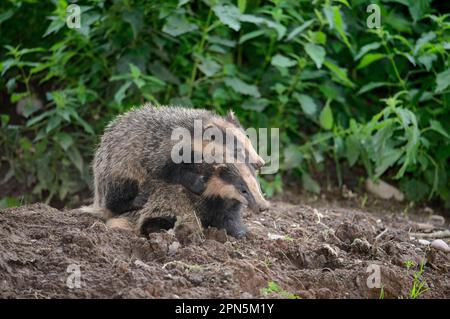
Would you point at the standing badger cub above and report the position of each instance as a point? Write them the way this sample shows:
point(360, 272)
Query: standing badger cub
point(135, 152)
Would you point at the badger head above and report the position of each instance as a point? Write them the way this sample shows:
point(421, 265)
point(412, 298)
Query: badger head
point(231, 123)
point(235, 182)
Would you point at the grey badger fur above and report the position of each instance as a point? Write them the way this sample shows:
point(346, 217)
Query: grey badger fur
point(135, 153)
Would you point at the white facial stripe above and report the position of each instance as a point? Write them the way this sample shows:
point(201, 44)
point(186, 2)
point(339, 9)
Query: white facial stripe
point(217, 188)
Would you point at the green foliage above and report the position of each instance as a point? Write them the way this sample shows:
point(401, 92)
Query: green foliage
point(336, 89)
point(274, 288)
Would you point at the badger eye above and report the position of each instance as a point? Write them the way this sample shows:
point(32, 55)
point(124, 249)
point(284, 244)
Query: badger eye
point(243, 191)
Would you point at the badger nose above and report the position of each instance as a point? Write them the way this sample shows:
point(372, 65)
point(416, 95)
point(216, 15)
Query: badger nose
point(259, 163)
point(265, 206)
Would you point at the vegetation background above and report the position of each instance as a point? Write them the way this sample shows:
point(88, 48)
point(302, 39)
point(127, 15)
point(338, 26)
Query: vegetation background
point(340, 92)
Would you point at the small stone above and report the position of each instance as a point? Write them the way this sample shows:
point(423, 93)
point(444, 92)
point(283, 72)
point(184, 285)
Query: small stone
point(274, 236)
point(424, 242)
point(440, 245)
point(384, 190)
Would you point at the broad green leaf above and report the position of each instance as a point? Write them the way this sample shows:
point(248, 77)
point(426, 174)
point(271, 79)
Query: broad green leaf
point(316, 52)
point(64, 140)
point(310, 184)
point(53, 123)
point(352, 149)
point(254, 104)
point(427, 60)
point(282, 61)
point(326, 118)
point(74, 155)
point(209, 67)
point(279, 28)
point(292, 157)
point(437, 126)
point(120, 94)
point(177, 25)
point(296, 31)
point(386, 160)
point(339, 73)
point(251, 35)
point(229, 15)
point(442, 80)
point(135, 19)
point(307, 103)
point(371, 86)
point(241, 87)
point(367, 48)
point(56, 25)
point(242, 5)
point(369, 59)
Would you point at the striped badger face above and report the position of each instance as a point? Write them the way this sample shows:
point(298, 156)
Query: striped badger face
point(231, 123)
point(236, 182)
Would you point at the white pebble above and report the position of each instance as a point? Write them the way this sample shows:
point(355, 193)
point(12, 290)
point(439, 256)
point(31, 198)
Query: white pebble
point(441, 245)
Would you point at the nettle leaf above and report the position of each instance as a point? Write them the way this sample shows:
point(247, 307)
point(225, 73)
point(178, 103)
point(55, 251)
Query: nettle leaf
point(241, 87)
point(64, 140)
point(120, 94)
point(296, 31)
point(386, 160)
point(292, 157)
point(253, 104)
point(75, 156)
point(442, 80)
point(367, 48)
point(326, 118)
point(369, 59)
point(310, 184)
point(53, 123)
point(372, 86)
point(352, 149)
point(317, 53)
point(282, 61)
point(437, 126)
point(56, 25)
point(209, 67)
point(340, 74)
point(279, 28)
point(307, 103)
point(135, 19)
point(424, 39)
point(229, 15)
point(177, 25)
point(427, 60)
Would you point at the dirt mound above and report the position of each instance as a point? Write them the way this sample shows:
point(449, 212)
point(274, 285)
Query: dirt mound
point(292, 251)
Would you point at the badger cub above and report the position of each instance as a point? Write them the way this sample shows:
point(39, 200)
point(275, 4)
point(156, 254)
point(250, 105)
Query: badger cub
point(227, 189)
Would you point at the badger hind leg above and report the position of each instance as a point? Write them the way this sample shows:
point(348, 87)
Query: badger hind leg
point(120, 195)
point(157, 224)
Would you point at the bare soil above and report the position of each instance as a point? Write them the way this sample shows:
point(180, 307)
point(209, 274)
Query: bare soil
point(305, 251)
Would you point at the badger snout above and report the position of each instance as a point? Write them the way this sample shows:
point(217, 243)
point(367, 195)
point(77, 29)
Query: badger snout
point(260, 206)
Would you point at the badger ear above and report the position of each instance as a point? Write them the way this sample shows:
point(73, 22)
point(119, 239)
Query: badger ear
point(231, 117)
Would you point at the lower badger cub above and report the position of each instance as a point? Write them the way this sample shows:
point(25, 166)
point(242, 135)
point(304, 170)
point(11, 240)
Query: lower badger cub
point(227, 189)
